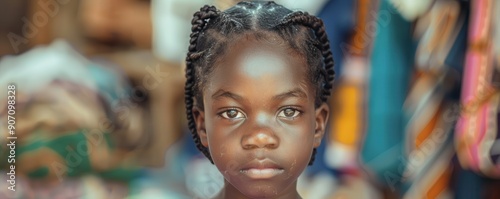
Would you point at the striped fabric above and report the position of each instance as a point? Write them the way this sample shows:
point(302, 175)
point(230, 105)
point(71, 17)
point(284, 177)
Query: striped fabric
point(430, 116)
point(477, 127)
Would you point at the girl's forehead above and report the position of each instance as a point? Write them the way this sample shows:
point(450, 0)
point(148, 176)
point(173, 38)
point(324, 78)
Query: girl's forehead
point(260, 64)
point(261, 43)
point(253, 56)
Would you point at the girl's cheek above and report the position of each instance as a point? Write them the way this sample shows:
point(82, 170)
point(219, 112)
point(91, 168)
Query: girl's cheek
point(296, 122)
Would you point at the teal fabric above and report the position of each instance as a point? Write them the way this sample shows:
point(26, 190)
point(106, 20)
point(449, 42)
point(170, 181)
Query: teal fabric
point(391, 64)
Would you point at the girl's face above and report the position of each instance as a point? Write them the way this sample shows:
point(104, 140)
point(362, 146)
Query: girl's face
point(259, 120)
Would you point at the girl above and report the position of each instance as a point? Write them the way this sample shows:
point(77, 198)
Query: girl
point(258, 78)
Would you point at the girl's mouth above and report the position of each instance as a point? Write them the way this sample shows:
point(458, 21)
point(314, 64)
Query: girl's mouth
point(262, 169)
point(262, 173)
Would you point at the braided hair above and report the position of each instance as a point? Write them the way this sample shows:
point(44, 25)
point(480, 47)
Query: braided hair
point(213, 30)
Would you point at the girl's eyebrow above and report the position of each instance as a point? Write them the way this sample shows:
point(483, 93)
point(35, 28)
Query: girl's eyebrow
point(223, 93)
point(297, 92)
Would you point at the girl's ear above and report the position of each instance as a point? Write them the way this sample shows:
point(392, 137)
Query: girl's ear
point(322, 113)
point(199, 119)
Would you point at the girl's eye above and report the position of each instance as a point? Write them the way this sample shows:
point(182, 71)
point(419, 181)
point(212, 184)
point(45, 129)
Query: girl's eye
point(289, 113)
point(232, 114)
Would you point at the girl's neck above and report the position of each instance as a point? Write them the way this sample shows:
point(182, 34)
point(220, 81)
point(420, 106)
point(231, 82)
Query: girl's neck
point(230, 192)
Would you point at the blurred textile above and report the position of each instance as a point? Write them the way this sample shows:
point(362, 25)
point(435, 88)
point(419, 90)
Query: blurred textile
point(477, 137)
point(405, 82)
point(67, 124)
point(391, 63)
point(431, 106)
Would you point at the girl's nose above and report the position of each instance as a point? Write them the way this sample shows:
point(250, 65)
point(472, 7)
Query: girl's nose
point(260, 138)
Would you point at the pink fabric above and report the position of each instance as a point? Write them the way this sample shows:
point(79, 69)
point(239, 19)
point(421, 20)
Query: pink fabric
point(473, 124)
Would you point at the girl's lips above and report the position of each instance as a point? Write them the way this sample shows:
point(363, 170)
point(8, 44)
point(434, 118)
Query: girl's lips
point(262, 169)
point(262, 173)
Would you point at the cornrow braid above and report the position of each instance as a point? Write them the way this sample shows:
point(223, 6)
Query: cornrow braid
point(213, 30)
point(328, 74)
point(316, 24)
point(198, 23)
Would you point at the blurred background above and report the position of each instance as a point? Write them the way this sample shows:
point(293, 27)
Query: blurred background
point(100, 113)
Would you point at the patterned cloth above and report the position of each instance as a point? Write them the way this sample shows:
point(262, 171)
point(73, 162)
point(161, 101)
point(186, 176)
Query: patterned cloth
point(66, 123)
point(477, 138)
point(430, 109)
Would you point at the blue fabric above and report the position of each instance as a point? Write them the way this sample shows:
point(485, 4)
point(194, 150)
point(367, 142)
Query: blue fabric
point(468, 185)
point(391, 63)
point(456, 57)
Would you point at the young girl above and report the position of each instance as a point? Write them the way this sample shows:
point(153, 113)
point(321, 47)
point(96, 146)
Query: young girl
point(258, 78)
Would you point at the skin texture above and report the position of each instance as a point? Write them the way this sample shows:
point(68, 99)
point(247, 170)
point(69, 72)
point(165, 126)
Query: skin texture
point(259, 111)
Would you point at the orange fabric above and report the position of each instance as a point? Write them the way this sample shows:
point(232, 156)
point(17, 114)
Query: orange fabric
point(428, 129)
point(440, 185)
point(346, 121)
point(359, 39)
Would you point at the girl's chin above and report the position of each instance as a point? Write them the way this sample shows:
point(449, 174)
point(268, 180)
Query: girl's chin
point(261, 189)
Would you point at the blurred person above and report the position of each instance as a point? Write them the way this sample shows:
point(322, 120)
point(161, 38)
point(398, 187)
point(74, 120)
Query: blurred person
point(117, 21)
point(122, 33)
point(116, 34)
point(9, 28)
